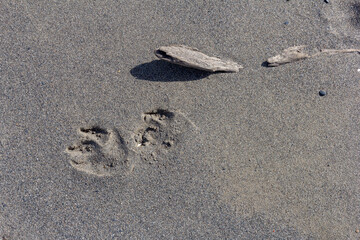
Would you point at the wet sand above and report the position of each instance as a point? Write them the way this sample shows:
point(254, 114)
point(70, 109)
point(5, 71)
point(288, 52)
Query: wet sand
point(101, 140)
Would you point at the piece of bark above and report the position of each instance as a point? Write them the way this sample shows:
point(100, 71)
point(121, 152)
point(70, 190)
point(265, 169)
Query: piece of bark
point(288, 55)
point(191, 57)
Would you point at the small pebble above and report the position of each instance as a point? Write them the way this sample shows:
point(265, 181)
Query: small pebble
point(326, 1)
point(322, 93)
point(286, 23)
point(357, 230)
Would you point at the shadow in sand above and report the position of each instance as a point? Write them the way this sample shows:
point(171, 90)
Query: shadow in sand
point(162, 71)
point(265, 64)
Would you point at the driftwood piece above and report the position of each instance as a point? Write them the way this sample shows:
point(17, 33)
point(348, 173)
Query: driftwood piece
point(288, 55)
point(335, 51)
point(191, 57)
point(297, 53)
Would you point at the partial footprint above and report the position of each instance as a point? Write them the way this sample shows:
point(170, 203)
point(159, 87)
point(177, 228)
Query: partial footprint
point(344, 18)
point(157, 130)
point(160, 133)
point(100, 152)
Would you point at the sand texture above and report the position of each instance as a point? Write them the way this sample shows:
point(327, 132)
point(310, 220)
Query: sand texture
point(99, 139)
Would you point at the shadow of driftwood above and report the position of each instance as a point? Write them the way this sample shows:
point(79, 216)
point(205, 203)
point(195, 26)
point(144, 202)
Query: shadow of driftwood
point(265, 64)
point(162, 71)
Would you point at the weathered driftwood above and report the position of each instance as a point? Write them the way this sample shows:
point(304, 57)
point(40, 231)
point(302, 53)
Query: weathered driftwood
point(191, 57)
point(289, 55)
point(335, 51)
point(297, 53)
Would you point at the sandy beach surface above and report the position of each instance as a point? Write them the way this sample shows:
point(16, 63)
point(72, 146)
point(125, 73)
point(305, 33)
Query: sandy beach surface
point(101, 140)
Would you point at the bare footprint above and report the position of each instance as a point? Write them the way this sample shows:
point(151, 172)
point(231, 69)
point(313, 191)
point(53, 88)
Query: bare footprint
point(160, 133)
point(100, 152)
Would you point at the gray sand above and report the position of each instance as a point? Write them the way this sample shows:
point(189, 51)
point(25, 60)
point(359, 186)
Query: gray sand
point(251, 155)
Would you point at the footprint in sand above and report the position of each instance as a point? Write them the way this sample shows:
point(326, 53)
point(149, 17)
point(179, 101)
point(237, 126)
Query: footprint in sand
point(344, 18)
point(156, 131)
point(100, 152)
point(160, 133)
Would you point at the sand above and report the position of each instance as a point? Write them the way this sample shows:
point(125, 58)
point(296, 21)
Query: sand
point(101, 140)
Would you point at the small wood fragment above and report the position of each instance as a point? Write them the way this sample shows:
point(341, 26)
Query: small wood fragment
point(191, 57)
point(288, 55)
point(297, 53)
point(334, 51)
